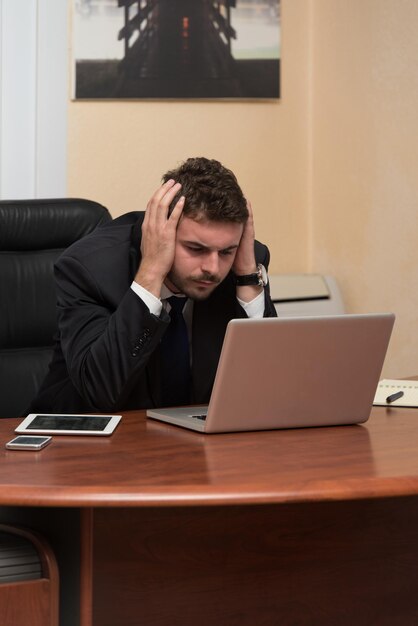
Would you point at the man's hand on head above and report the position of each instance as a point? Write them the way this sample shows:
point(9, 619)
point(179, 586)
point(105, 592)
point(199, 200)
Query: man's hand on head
point(245, 262)
point(159, 237)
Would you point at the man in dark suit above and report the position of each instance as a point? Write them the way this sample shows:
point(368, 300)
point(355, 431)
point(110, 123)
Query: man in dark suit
point(118, 289)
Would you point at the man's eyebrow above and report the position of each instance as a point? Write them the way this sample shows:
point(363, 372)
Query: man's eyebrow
point(198, 244)
point(233, 247)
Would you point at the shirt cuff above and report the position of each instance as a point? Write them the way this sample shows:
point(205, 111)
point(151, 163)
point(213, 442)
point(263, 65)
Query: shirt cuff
point(154, 304)
point(254, 308)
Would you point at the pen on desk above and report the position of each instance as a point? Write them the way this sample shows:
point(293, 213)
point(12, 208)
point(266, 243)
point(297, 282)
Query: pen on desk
point(394, 396)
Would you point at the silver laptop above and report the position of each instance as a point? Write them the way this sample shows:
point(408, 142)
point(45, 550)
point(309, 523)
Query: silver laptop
point(291, 373)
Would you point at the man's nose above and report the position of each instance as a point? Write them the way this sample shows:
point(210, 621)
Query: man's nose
point(210, 263)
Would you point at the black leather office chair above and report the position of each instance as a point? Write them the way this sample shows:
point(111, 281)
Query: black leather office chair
point(33, 233)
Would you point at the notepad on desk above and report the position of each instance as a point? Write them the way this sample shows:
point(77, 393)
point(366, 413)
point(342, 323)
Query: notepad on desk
point(389, 392)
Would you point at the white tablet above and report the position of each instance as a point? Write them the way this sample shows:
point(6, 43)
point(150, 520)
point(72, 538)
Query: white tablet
point(63, 424)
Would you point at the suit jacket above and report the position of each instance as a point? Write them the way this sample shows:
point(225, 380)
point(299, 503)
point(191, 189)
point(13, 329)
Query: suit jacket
point(107, 355)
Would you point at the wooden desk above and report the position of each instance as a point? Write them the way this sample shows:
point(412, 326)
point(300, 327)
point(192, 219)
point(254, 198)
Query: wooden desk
point(313, 526)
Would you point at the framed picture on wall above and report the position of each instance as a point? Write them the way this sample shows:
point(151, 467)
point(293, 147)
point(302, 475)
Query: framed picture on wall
point(176, 49)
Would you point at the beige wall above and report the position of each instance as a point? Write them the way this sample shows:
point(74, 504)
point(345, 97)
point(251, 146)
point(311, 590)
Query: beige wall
point(364, 179)
point(329, 168)
point(119, 150)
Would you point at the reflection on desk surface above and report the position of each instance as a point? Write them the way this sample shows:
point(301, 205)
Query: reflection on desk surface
point(150, 463)
point(275, 453)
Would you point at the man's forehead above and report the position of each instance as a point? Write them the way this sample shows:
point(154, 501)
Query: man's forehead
point(209, 233)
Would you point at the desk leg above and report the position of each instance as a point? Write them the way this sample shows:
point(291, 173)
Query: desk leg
point(86, 567)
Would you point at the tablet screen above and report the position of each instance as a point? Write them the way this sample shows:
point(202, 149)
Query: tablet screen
point(69, 422)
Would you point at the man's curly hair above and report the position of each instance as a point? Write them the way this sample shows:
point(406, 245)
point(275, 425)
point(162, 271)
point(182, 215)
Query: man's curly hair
point(211, 191)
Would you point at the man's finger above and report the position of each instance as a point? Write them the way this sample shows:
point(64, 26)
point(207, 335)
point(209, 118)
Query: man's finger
point(157, 197)
point(169, 195)
point(178, 209)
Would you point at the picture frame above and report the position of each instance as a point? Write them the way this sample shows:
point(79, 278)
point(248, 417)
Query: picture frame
point(182, 49)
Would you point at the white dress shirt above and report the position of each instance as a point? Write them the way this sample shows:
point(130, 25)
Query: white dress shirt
point(254, 308)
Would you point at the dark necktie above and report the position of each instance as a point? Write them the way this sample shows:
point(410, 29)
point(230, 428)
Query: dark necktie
point(175, 357)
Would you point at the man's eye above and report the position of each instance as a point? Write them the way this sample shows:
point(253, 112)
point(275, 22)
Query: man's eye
point(194, 249)
point(226, 252)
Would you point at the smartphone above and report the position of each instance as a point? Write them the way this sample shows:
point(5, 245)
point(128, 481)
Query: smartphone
point(26, 442)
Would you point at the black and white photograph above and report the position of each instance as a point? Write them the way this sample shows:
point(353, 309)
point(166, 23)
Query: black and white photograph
point(176, 49)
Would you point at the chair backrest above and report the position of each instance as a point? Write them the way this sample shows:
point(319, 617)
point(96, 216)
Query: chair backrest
point(33, 233)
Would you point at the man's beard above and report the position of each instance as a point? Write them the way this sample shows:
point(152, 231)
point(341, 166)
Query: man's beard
point(189, 287)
